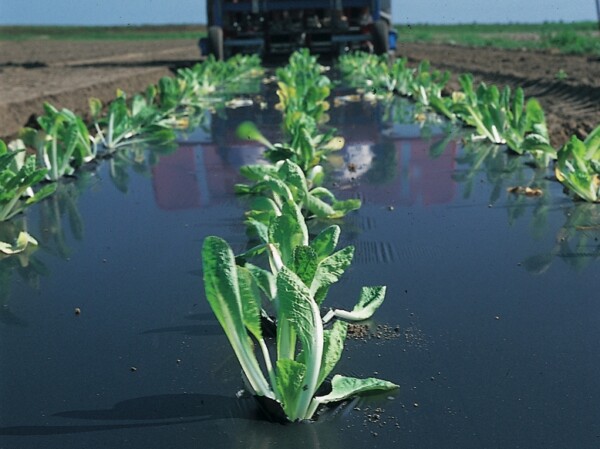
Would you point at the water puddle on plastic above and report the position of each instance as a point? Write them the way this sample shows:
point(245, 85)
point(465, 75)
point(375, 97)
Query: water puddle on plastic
point(489, 326)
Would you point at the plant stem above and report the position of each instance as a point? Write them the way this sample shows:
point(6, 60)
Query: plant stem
point(313, 364)
point(251, 368)
point(54, 156)
point(269, 365)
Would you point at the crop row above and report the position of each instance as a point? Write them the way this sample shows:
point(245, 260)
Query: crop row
point(31, 165)
point(290, 293)
point(498, 116)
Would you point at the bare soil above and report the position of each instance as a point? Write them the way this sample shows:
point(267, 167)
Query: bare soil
point(67, 73)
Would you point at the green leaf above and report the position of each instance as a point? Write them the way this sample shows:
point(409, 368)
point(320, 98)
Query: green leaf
point(347, 387)
point(298, 308)
point(326, 241)
point(223, 294)
point(265, 280)
point(263, 209)
point(441, 107)
point(294, 176)
point(329, 271)
point(333, 346)
point(535, 115)
point(138, 105)
point(288, 231)
point(261, 229)
point(305, 263)
point(95, 107)
point(518, 105)
point(370, 300)
point(221, 285)
point(249, 131)
point(279, 188)
point(592, 143)
point(337, 209)
point(319, 207)
point(574, 171)
point(290, 375)
point(250, 298)
point(343, 207)
point(257, 172)
point(43, 193)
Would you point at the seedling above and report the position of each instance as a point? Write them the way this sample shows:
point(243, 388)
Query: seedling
point(561, 75)
point(287, 182)
point(502, 119)
point(578, 166)
point(62, 144)
point(303, 91)
point(127, 124)
point(300, 276)
point(18, 175)
point(306, 351)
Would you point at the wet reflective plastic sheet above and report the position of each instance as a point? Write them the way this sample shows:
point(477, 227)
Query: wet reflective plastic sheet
point(490, 326)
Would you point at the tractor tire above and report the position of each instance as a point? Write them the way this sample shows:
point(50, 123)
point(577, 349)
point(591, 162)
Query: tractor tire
point(381, 43)
point(215, 42)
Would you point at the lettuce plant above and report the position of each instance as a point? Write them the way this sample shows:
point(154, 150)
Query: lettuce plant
point(303, 91)
point(238, 74)
point(402, 76)
point(294, 289)
point(306, 351)
point(496, 116)
point(285, 181)
point(126, 124)
point(504, 119)
point(306, 147)
point(302, 86)
point(62, 144)
point(578, 166)
point(527, 132)
point(363, 70)
point(427, 83)
point(209, 84)
point(177, 98)
point(378, 74)
point(170, 104)
point(482, 109)
point(18, 175)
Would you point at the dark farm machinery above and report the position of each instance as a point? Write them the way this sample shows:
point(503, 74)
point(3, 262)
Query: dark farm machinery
point(271, 27)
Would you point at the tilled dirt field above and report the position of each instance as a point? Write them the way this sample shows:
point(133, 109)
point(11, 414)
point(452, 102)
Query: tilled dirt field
point(67, 73)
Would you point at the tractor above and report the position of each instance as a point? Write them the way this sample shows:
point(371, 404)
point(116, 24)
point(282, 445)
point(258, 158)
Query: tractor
point(271, 27)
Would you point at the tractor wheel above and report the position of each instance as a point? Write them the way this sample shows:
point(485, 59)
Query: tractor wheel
point(215, 42)
point(381, 43)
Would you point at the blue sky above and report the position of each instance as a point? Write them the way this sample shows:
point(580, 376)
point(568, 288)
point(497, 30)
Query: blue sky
point(123, 12)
